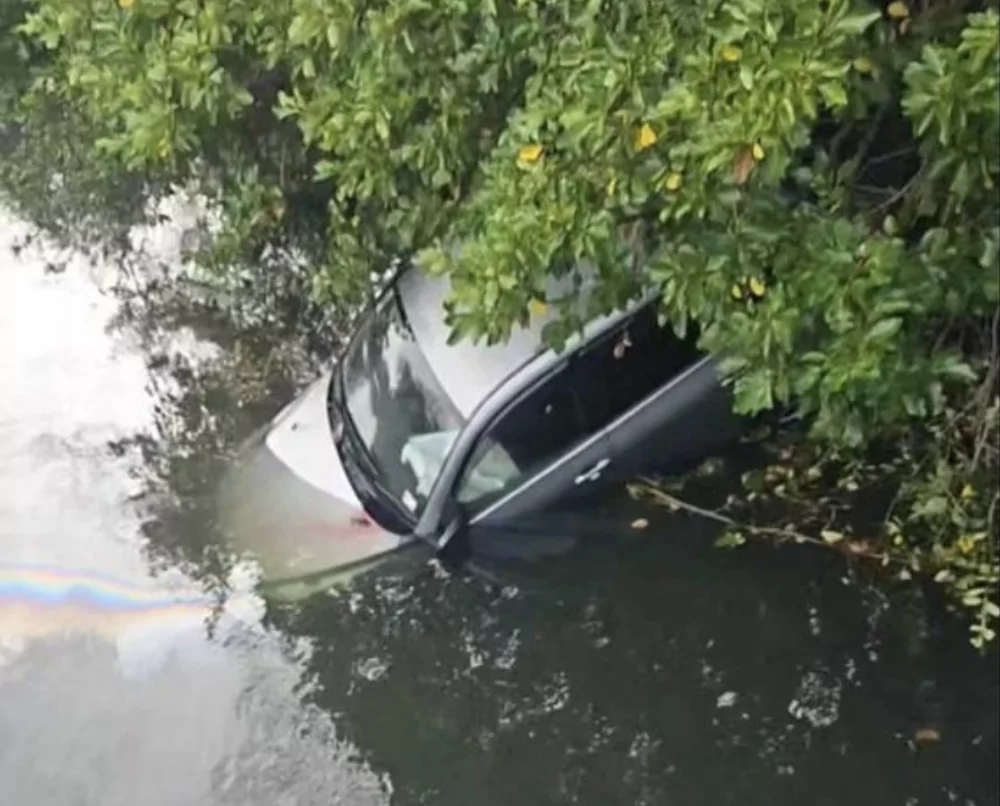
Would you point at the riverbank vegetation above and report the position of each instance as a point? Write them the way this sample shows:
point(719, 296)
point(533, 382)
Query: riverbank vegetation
point(812, 184)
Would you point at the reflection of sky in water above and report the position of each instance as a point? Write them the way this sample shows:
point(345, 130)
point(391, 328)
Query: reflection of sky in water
point(68, 387)
point(67, 534)
point(112, 692)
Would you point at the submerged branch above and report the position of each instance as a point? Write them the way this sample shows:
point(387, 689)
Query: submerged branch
point(852, 548)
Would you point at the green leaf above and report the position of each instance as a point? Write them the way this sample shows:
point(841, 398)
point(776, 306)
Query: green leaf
point(885, 329)
point(298, 31)
point(333, 36)
point(441, 177)
point(834, 94)
point(730, 540)
point(854, 24)
point(991, 253)
point(460, 330)
point(956, 369)
point(962, 183)
point(325, 169)
point(972, 598)
point(934, 506)
point(491, 294)
point(753, 392)
point(243, 97)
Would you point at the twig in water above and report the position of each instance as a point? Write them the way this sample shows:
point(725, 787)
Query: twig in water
point(853, 548)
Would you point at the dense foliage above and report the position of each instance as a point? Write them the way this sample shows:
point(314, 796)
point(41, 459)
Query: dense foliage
point(813, 183)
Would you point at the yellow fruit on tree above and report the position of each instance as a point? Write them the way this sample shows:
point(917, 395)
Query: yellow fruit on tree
point(731, 54)
point(645, 138)
point(898, 10)
point(529, 155)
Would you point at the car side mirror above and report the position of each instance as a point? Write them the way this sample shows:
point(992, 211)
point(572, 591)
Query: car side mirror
point(453, 543)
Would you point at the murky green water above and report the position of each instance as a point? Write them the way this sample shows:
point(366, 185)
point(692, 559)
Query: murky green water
point(643, 668)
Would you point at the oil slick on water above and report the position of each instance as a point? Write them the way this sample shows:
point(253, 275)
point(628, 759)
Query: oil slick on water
point(147, 625)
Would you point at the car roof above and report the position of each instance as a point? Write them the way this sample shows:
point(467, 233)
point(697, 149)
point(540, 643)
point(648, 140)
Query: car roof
point(469, 372)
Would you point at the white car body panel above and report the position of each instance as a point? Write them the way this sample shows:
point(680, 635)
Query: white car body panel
point(288, 501)
point(300, 437)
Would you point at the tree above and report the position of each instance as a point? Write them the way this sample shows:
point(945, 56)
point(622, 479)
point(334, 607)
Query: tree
point(813, 183)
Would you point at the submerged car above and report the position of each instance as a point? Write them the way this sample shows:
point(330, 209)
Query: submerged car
point(471, 449)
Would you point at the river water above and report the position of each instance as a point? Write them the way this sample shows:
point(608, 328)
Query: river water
point(644, 668)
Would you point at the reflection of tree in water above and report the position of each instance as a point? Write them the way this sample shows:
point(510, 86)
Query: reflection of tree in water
point(369, 366)
point(663, 673)
point(206, 406)
point(398, 404)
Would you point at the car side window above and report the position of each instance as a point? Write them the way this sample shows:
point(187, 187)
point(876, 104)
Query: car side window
point(628, 364)
point(535, 431)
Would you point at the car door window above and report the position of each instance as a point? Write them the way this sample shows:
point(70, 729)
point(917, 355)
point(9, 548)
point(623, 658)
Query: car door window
point(531, 434)
point(629, 364)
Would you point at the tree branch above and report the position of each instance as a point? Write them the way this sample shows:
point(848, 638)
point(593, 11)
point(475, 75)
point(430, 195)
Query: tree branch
point(852, 548)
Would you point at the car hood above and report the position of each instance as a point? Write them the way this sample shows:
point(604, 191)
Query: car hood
point(287, 500)
point(301, 438)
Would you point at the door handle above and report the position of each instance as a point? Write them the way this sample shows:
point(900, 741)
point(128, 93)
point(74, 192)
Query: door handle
point(594, 473)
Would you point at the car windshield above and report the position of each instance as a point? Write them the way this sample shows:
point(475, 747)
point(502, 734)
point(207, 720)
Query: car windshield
point(398, 410)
